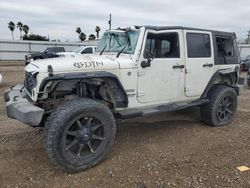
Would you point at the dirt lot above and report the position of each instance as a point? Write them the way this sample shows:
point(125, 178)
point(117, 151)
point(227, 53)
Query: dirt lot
point(167, 150)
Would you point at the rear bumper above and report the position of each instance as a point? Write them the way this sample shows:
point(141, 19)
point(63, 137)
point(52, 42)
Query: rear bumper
point(20, 108)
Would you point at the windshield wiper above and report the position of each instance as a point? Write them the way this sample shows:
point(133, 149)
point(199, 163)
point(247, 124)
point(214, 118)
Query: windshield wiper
point(119, 53)
point(128, 43)
point(103, 49)
point(111, 36)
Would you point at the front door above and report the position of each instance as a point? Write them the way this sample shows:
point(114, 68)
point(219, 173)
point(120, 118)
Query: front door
point(199, 61)
point(163, 80)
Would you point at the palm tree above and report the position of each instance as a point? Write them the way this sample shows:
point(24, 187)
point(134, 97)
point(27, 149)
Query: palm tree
point(97, 30)
point(82, 36)
point(20, 27)
point(26, 29)
point(78, 30)
point(11, 26)
point(91, 37)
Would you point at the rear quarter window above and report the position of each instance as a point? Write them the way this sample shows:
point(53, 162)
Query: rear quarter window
point(226, 51)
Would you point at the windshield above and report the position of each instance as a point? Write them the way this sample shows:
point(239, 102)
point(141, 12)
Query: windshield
point(115, 41)
point(78, 50)
point(247, 58)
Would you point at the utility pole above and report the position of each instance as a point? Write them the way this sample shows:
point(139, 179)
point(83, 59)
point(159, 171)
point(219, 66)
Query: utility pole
point(110, 20)
point(248, 37)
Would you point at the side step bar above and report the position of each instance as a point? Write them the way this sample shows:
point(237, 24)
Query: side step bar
point(161, 109)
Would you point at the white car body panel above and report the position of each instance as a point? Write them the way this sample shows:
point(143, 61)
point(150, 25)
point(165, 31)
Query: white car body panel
point(197, 76)
point(160, 82)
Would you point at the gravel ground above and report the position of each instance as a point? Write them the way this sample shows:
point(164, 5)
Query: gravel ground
point(167, 150)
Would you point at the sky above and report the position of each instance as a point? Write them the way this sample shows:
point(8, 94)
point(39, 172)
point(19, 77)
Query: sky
point(58, 19)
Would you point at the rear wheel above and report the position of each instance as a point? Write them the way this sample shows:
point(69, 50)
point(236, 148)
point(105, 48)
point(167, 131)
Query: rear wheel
point(79, 134)
point(221, 107)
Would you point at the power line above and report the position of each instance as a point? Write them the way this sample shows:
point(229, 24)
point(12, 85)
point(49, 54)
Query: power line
point(248, 36)
point(110, 20)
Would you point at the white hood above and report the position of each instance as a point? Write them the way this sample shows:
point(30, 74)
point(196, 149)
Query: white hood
point(92, 62)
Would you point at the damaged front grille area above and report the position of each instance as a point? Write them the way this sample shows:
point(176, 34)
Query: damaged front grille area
point(30, 81)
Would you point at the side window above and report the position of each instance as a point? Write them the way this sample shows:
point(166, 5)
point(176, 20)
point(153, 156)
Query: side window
point(198, 45)
point(59, 49)
point(225, 46)
point(164, 45)
point(50, 49)
point(87, 51)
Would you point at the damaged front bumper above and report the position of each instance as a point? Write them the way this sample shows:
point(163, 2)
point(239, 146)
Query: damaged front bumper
point(20, 108)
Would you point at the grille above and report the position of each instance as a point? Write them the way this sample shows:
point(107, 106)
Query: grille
point(29, 82)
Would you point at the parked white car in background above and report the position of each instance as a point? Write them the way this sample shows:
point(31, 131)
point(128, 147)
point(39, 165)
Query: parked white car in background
point(80, 50)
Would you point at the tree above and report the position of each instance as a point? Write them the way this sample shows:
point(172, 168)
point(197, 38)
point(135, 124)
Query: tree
point(82, 36)
point(97, 30)
point(78, 30)
point(91, 37)
point(35, 37)
point(11, 26)
point(20, 27)
point(26, 29)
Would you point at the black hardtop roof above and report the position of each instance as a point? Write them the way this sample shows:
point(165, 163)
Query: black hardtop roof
point(158, 28)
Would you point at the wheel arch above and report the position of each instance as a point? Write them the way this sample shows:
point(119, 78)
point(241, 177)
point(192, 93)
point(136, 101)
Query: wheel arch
point(228, 77)
point(118, 94)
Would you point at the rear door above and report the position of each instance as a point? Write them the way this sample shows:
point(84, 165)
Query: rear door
point(199, 61)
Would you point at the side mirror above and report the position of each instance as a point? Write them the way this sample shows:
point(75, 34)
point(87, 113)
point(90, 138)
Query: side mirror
point(145, 64)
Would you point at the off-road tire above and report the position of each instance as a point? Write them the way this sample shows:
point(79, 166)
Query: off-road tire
point(216, 95)
point(58, 120)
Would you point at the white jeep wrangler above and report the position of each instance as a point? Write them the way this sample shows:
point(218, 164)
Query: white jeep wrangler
point(134, 72)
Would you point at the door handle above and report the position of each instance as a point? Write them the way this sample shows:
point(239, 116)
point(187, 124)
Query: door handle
point(178, 67)
point(208, 65)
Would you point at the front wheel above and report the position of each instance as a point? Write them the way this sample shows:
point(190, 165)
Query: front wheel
point(221, 107)
point(79, 134)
